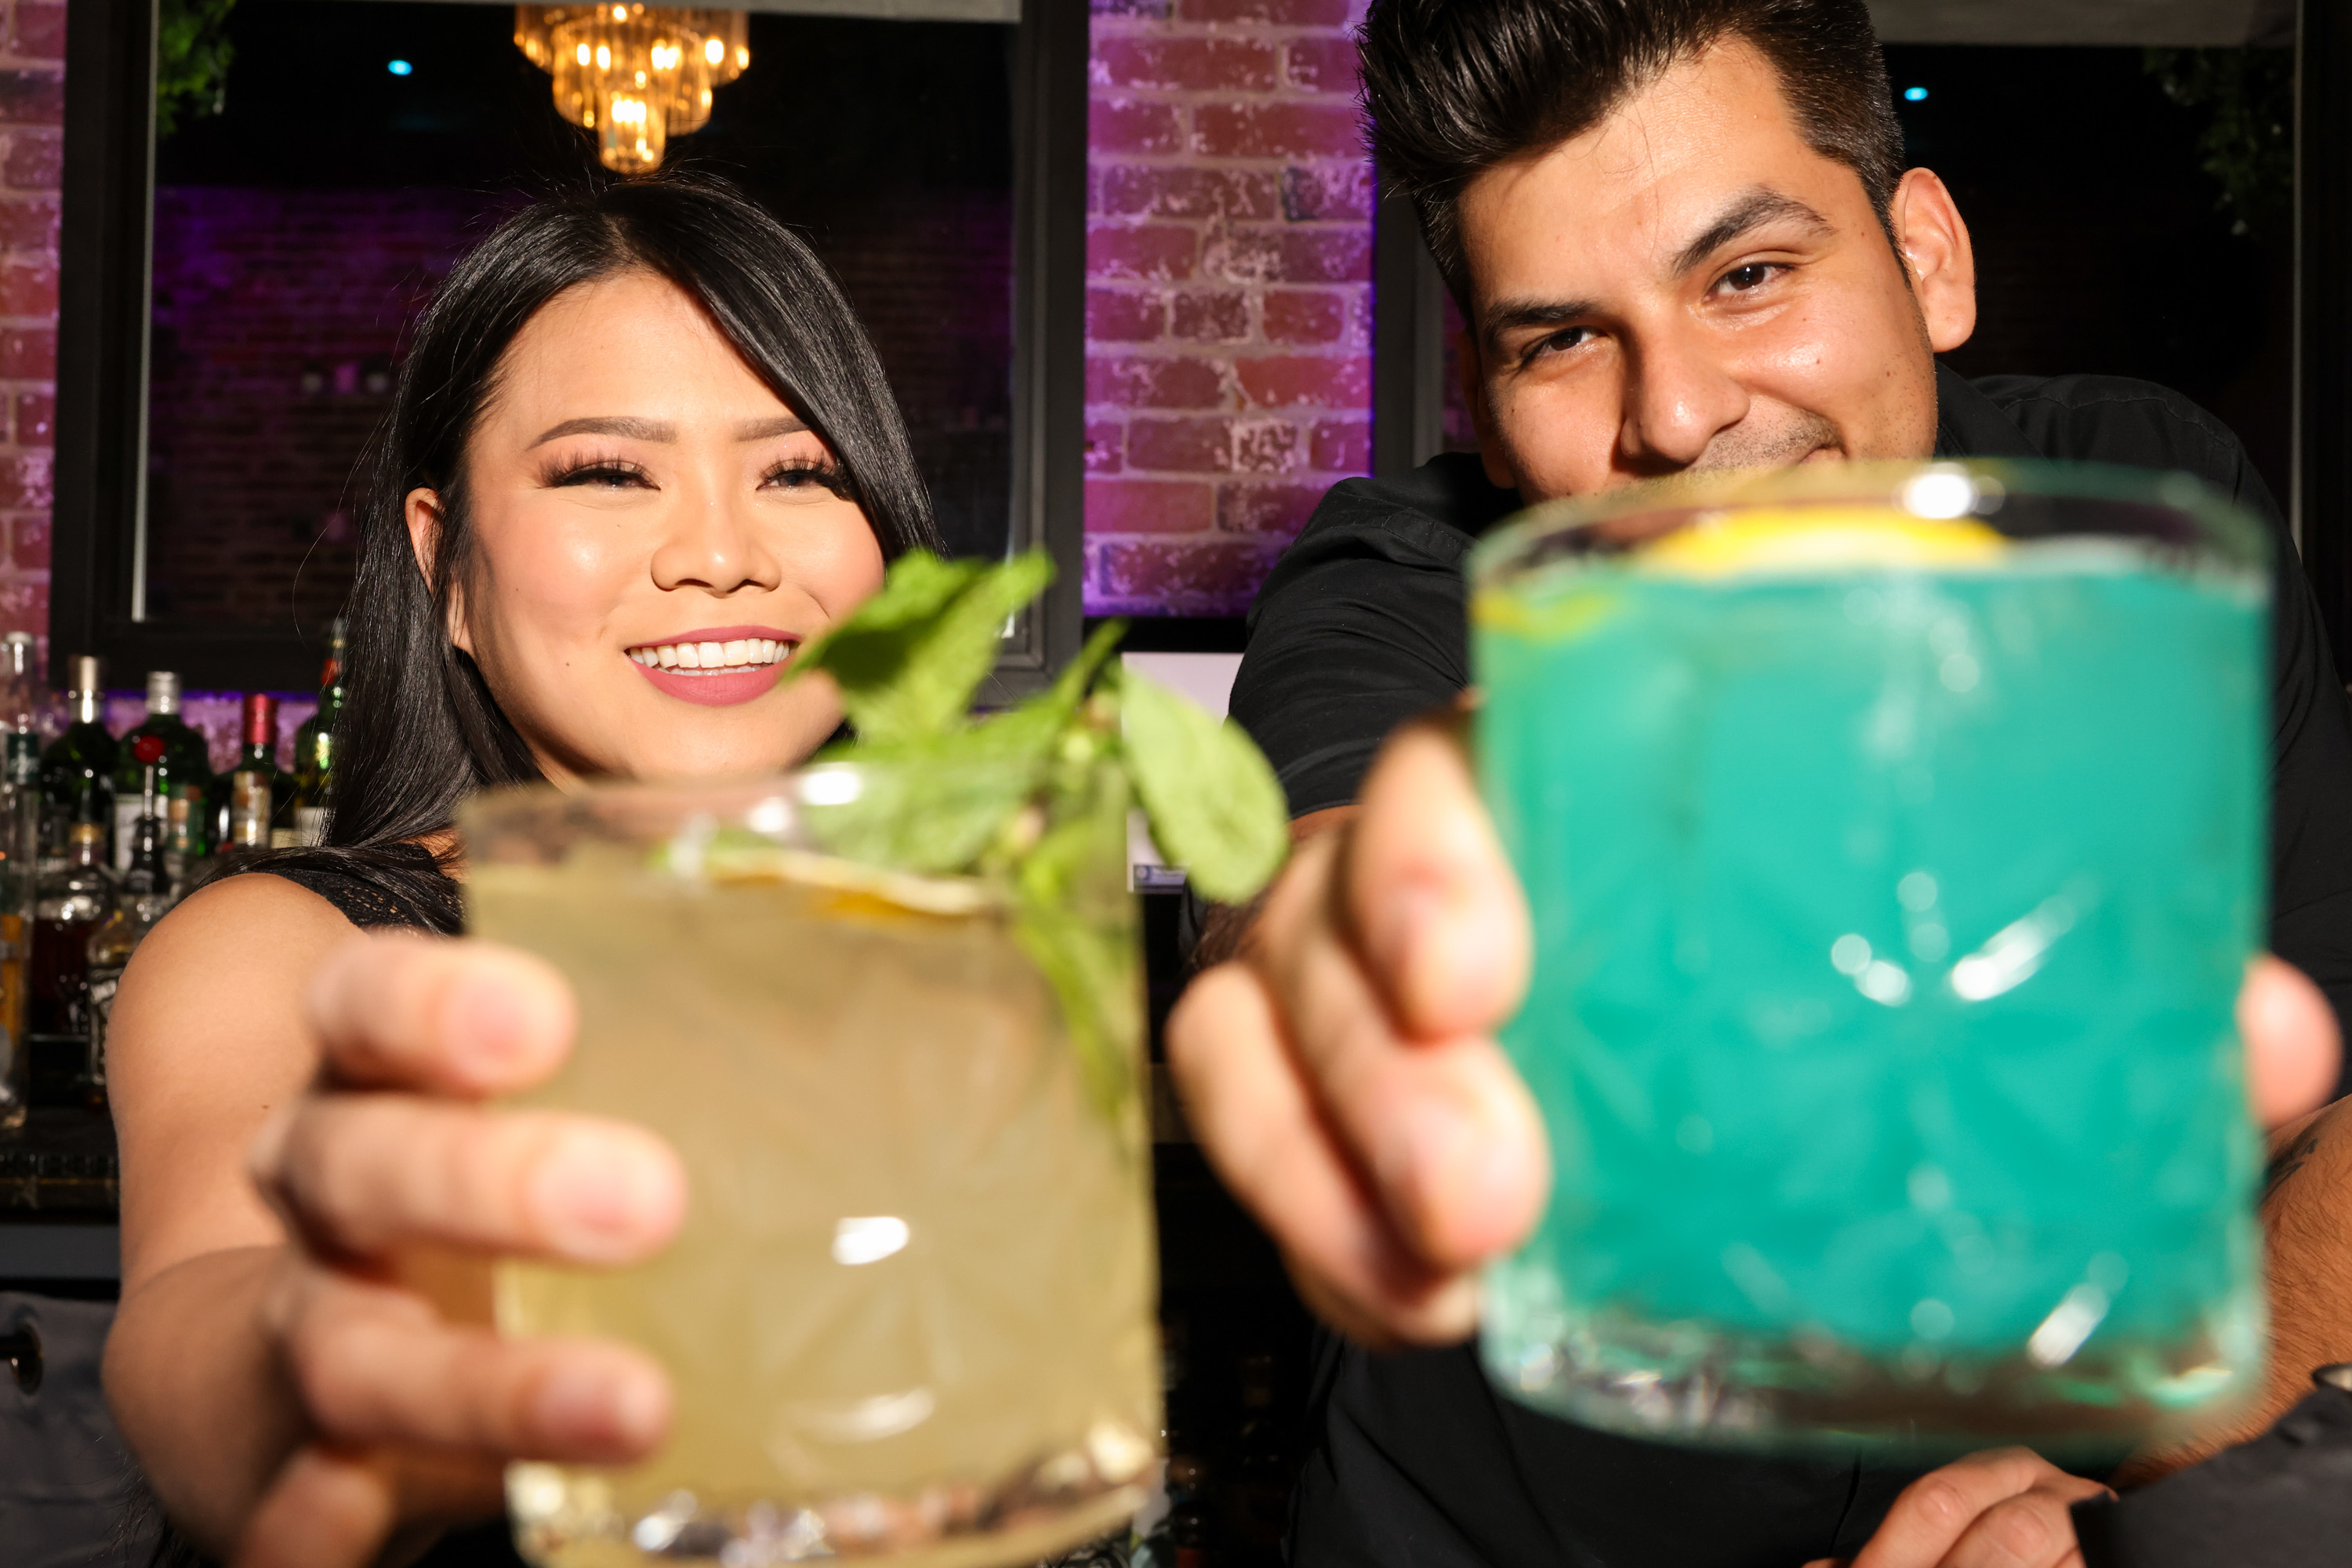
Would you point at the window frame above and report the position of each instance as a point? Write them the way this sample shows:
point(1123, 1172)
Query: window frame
point(105, 252)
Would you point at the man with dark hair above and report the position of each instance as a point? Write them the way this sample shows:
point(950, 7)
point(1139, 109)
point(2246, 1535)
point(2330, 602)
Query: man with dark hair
point(1681, 239)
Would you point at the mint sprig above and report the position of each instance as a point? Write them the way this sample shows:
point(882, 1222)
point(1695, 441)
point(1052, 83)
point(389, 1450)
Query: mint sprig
point(1028, 795)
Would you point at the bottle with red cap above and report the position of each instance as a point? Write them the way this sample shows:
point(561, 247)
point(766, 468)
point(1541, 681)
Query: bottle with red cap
point(261, 792)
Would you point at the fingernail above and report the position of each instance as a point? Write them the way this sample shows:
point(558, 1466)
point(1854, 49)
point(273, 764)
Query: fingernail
point(1435, 1148)
point(603, 1197)
point(608, 1405)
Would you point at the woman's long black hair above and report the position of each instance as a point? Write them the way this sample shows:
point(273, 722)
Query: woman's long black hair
point(421, 731)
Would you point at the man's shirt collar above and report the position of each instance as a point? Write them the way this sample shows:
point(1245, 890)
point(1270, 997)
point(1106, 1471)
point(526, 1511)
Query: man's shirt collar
point(1968, 425)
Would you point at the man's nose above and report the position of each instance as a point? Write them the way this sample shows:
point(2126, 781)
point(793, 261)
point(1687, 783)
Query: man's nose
point(1679, 396)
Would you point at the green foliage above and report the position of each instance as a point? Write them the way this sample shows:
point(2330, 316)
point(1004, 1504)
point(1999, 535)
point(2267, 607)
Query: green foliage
point(1034, 799)
point(909, 659)
point(1215, 807)
point(192, 60)
point(2249, 144)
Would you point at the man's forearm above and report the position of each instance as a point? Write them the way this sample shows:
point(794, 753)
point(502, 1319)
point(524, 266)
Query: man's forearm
point(197, 1389)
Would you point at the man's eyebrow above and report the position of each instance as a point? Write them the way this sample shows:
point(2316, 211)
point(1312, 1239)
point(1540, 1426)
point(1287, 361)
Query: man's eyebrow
point(1513, 315)
point(634, 429)
point(763, 429)
point(1749, 212)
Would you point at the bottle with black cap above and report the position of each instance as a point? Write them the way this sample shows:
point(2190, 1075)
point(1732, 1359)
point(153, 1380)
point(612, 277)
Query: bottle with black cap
point(78, 769)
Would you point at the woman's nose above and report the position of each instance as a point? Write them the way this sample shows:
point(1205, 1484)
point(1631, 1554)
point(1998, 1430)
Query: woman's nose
point(711, 542)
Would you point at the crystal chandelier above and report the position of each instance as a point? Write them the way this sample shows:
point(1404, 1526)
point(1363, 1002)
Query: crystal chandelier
point(633, 75)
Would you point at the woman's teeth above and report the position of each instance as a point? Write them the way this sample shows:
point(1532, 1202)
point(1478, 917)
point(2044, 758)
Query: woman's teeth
point(746, 653)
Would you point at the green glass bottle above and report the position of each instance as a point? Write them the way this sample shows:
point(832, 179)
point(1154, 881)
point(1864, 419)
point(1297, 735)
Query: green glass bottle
point(78, 769)
point(184, 762)
point(314, 748)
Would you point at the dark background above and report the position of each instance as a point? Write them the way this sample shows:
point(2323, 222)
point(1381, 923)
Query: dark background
point(298, 231)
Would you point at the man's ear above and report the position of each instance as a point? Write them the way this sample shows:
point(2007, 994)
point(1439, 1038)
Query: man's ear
point(1473, 398)
point(1936, 247)
point(423, 509)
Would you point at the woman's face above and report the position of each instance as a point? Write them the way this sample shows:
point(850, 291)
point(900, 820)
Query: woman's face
point(655, 533)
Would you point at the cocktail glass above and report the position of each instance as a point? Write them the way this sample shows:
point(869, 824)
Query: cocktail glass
point(1895, 839)
point(911, 1314)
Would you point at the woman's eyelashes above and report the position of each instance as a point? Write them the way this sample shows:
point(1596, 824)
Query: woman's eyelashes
point(604, 473)
point(806, 474)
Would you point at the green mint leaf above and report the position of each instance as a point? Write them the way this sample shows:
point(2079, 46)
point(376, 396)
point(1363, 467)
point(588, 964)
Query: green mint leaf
point(909, 658)
point(1072, 917)
point(1031, 727)
point(1215, 805)
point(933, 805)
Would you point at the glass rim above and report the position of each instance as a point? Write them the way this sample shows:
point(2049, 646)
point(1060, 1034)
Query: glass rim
point(1618, 522)
point(542, 824)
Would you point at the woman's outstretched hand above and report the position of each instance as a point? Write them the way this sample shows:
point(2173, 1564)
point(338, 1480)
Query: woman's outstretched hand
point(396, 1185)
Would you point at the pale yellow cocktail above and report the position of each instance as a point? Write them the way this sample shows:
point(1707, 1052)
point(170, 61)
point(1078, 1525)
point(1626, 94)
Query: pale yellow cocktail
point(911, 1311)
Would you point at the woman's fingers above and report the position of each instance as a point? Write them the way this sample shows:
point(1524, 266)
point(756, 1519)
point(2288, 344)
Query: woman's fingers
point(397, 1010)
point(337, 1508)
point(362, 1172)
point(1260, 1126)
point(375, 1365)
point(325, 1509)
point(2292, 1050)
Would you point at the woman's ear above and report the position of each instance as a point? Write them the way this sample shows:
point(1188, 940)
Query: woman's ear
point(423, 509)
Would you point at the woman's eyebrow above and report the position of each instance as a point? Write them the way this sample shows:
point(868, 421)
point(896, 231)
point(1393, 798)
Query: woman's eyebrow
point(763, 429)
point(634, 429)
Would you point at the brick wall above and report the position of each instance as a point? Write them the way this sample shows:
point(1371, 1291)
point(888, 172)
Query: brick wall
point(1228, 293)
point(32, 113)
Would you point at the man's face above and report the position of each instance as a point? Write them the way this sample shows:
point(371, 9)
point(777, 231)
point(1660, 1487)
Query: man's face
point(1689, 286)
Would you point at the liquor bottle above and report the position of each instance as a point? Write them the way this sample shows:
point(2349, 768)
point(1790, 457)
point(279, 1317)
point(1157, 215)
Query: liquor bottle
point(20, 839)
point(77, 770)
point(1258, 1498)
point(184, 761)
point(265, 784)
point(19, 696)
point(74, 897)
point(144, 896)
point(314, 747)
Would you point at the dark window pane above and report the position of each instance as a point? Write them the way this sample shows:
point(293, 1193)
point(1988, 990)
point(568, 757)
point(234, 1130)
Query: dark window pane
point(297, 233)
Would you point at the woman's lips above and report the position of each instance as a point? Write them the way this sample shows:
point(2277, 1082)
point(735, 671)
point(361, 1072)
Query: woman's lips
point(723, 689)
point(716, 666)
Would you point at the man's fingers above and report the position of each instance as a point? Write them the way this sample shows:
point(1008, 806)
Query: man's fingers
point(375, 1365)
point(362, 1172)
point(1428, 893)
point(398, 1010)
point(1262, 1131)
point(2292, 1049)
point(2006, 1508)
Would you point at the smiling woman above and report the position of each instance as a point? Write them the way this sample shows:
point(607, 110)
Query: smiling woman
point(640, 452)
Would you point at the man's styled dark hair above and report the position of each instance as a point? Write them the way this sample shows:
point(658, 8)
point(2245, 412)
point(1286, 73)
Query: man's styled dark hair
point(1455, 87)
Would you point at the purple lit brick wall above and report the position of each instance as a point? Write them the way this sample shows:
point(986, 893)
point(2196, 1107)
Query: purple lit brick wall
point(1229, 265)
point(32, 110)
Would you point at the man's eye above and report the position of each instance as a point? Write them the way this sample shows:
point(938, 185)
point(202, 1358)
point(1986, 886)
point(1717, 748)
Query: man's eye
point(1755, 274)
point(1560, 342)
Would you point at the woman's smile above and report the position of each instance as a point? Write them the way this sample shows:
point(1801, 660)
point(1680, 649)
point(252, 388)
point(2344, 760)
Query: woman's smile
point(717, 666)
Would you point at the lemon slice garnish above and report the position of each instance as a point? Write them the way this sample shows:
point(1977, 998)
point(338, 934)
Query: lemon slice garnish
point(1820, 538)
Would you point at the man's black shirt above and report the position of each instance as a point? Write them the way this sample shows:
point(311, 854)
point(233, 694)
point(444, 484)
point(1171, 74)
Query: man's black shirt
point(1362, 626)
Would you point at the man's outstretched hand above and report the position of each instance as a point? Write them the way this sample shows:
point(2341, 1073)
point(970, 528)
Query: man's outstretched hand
point(1342, 1076)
